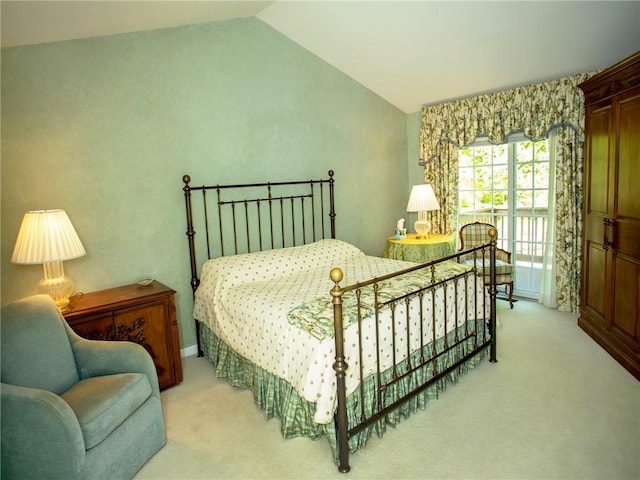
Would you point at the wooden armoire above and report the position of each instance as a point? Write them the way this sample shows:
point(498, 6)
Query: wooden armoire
point(610, 297)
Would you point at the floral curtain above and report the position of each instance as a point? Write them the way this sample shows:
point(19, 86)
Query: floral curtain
point(535, 110)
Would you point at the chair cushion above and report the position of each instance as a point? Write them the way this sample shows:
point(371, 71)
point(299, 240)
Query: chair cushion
point(36, 352)
point(502, 268)
point(101, 404)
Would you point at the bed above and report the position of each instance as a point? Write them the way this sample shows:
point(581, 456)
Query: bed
point(333, 342)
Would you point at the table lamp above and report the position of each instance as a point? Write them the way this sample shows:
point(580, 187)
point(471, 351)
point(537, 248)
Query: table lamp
point(422, 200)
point(48, 237)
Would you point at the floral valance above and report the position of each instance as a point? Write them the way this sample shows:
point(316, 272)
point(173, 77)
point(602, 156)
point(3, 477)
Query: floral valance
point(533, 109)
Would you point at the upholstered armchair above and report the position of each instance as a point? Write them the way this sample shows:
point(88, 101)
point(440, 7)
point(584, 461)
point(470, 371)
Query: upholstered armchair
point(73, 408)
point(476, 234)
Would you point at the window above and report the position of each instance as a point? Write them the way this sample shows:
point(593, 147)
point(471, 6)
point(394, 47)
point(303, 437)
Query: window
point(508, 186)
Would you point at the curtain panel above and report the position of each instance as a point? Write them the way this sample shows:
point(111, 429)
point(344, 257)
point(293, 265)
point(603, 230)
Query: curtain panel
point(534, 110)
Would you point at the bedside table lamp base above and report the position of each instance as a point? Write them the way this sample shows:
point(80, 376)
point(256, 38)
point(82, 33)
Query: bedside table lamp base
point(422, 225)
point(56, 284)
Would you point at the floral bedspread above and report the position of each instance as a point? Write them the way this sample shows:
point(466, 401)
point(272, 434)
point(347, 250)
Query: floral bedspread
point(316, 316)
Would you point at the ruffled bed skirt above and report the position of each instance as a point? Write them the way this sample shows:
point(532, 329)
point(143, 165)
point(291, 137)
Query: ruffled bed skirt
point(279, 399)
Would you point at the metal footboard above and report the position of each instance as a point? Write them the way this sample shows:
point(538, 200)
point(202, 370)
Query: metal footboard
point(426, 363)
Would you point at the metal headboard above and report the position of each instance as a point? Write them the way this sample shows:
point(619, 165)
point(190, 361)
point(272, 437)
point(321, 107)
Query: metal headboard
point(257, 216)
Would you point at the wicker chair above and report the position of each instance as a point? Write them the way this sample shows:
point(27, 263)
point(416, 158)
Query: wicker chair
point(476, 234)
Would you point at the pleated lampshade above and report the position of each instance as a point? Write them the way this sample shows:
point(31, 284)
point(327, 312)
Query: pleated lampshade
point(46, 236)
point(422, 199)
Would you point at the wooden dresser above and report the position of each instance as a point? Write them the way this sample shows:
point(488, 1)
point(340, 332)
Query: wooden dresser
point(137, 313)
point(610, 297)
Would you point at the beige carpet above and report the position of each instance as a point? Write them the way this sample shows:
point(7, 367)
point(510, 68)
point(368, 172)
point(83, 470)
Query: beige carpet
point(555, 406)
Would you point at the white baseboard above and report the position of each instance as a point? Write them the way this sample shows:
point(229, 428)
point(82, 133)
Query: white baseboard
point(189, 351)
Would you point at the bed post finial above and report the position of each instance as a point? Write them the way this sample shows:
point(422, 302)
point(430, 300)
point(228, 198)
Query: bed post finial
point(336, 275)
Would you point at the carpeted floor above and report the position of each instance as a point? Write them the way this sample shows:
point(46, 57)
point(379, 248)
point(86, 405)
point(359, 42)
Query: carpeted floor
point(555, 406)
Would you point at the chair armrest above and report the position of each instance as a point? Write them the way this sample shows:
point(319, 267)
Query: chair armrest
point(503, 255)
point(41, 436)
point(98, 357)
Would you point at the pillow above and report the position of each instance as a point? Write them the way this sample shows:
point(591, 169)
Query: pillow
point(220, 274)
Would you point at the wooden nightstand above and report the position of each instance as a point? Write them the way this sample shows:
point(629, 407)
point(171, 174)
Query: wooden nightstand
point(140, 314)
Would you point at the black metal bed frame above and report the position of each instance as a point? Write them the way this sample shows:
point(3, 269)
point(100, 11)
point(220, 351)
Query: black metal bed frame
point(477, 337)
point(308, 206)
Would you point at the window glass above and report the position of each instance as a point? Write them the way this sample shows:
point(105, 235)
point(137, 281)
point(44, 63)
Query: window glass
point(508, 186)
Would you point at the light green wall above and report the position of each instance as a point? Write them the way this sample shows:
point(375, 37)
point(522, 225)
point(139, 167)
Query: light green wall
point(106, 127)
point(415, 172)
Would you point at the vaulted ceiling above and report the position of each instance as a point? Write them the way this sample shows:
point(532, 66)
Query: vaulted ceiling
point(410, 53)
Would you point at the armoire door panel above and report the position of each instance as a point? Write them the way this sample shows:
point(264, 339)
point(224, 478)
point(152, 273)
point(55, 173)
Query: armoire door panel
point(598, 169)
point(594, 290)
point(628, 201)
point(595, 228)
point(626, 236)
point(627, 298)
